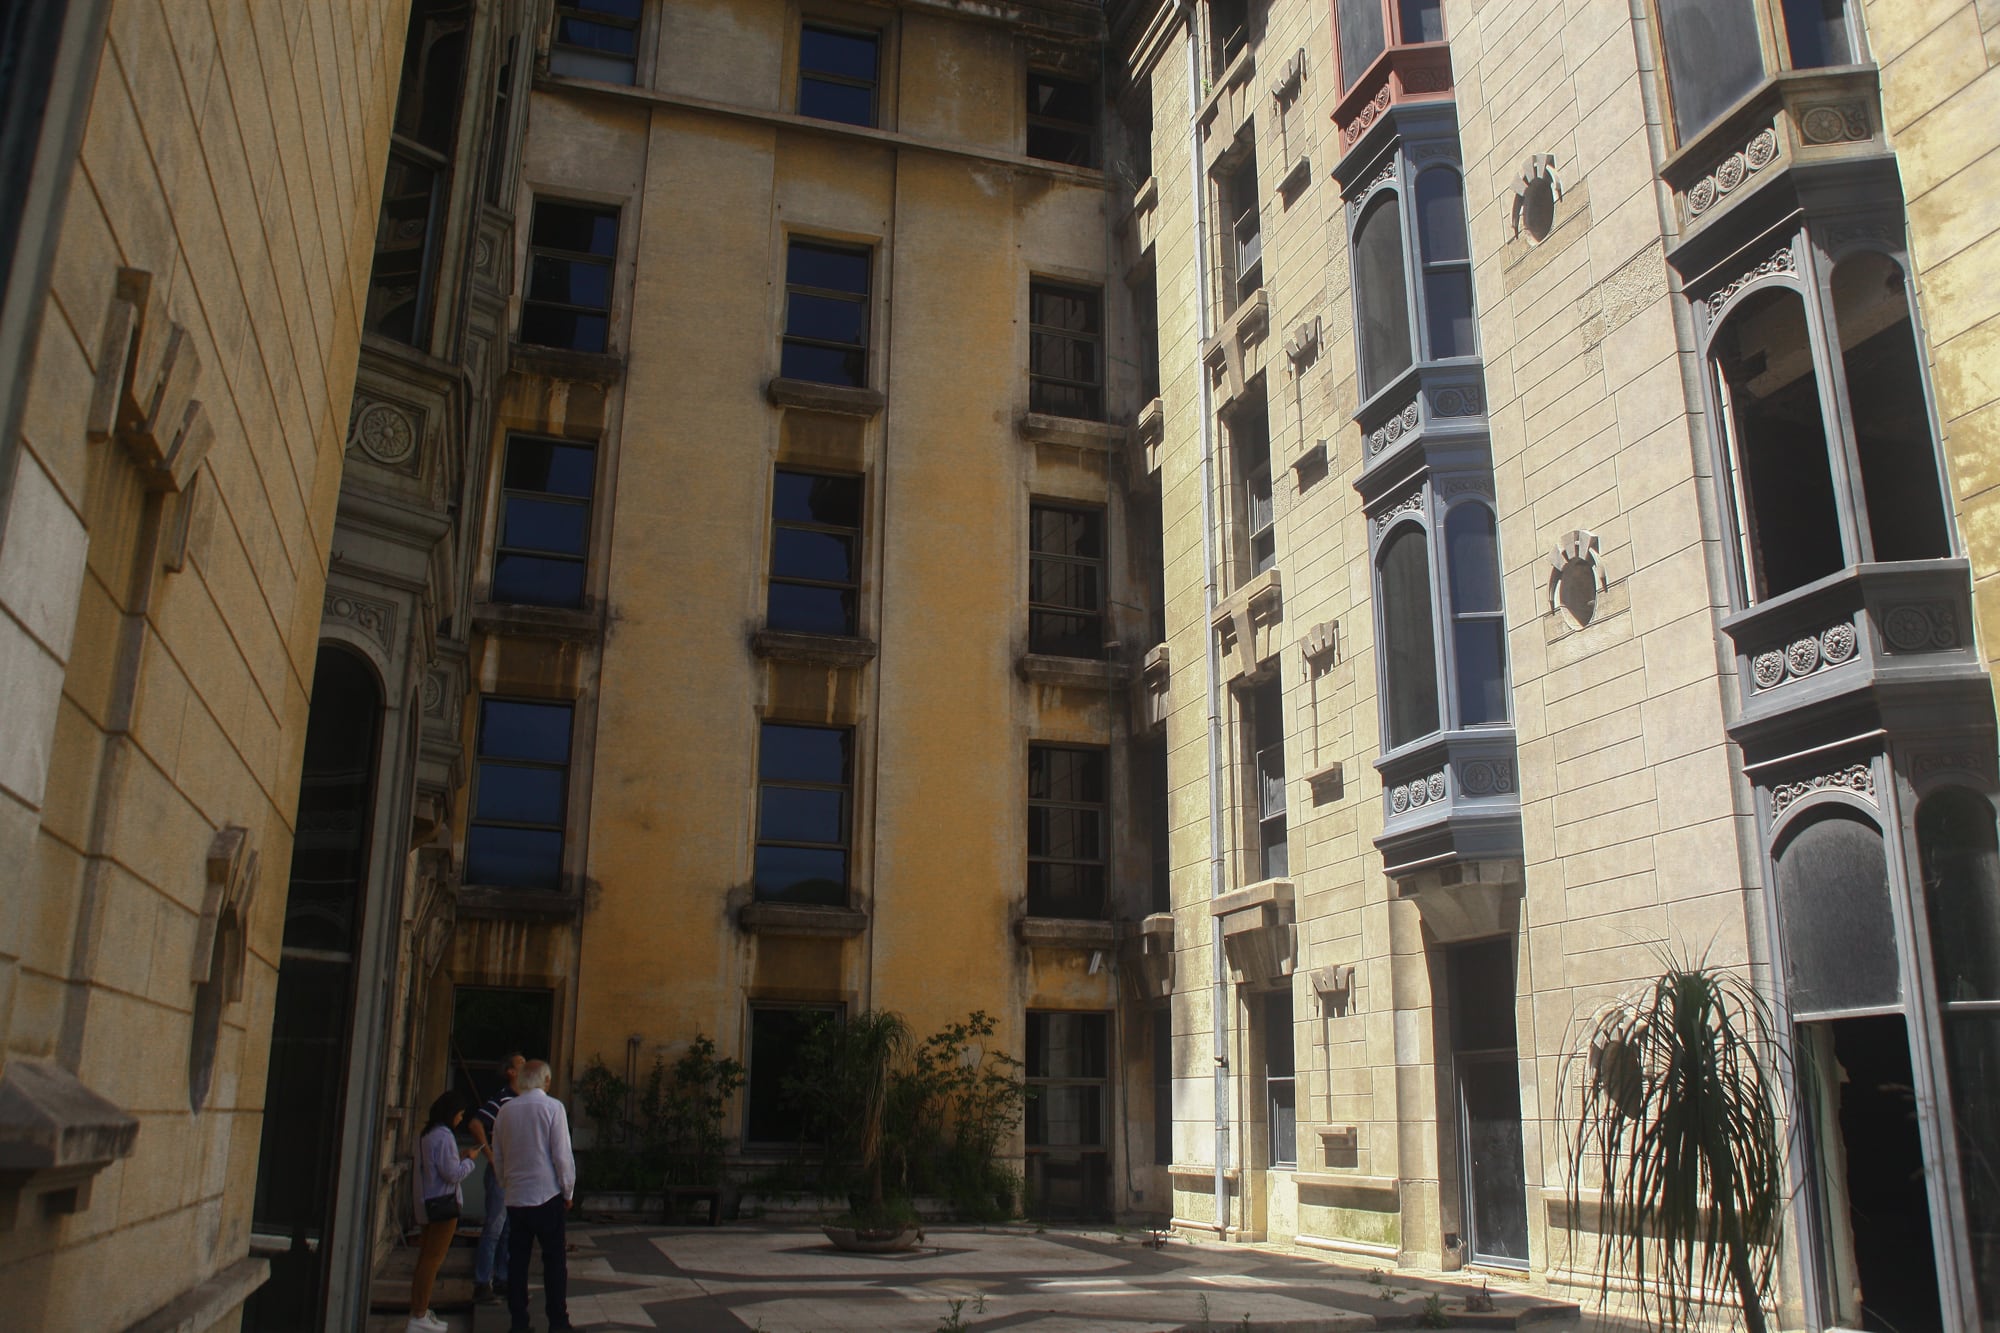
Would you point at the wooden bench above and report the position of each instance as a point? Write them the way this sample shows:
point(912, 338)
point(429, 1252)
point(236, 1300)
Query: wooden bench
point(683, 1194)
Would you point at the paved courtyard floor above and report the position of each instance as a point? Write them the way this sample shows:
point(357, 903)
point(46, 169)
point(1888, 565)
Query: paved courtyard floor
point(788, 1279)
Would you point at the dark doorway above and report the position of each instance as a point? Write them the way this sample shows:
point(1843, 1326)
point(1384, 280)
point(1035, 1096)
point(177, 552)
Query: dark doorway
point(1068, 1070)
point(1880, 1157)
point(299, 1162)
point(1489, 1102)
point(489, 1023)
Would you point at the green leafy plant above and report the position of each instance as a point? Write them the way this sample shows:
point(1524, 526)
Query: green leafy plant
point(1678, 1130)
point(670, 1133)
point(952, 1323)
point(1433, 1315)
point(842, 1085)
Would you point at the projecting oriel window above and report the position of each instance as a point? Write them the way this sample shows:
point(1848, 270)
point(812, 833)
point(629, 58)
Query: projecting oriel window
point(520, 795)
point(1062, 120)
point(544, 539)
point(1714, 56)
point(1065, 581)
point(1409, 648)
point(572, 251)
point(804, 813)
point(1448, 325)
point(1066, 837)
point(596, 39)
point(1066, 351)
point(1381, 296)
point(815, 553)
point(839, 69)
point(826, 313)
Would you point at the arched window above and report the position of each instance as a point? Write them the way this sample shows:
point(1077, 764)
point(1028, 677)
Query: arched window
point(1381, 295)
point(1409, 646)
point(1885, 398)
point(1479, 632)
point(1448, 324)
point(1834, 915)
point(1782, 484)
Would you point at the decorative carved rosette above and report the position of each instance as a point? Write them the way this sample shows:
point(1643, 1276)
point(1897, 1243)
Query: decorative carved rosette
point(1831, 647)
point(1735, 168)
point(1458, 400)
point(1856, 778)
point(1921, 627)
point(1417, 793)
point(1392, 430)
point(1412, 501)
point(1485, 777)
point(1833, 122)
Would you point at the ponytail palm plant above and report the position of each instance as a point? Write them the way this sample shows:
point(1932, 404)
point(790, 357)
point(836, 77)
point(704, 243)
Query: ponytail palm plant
point(1678, 1132)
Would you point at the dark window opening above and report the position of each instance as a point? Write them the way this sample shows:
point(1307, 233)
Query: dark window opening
point(1381, 296)
point(826, 314)
point(520, 795)
point(1713, 58)
point(838, 72)
point(1146, 318)
point(778, 1034)
point(572, 251)
point(1066, 351)
point(815, 553)
point(1266, 728)
point(1409, 647)
point(489, 1023)
point(1163, 1085)
point(331, 847)
point(1448, 317)
point(1228, 32)
point(1787, 520)
point(1066, 832)
point(433, 71)
point(400, 284)
point(1281, 1089)
point(500, 134)
point(805, 792)
point(1361, 36)
point(596, 39)
point(1817, 33)
point(1062, 120)
point(1420, 21)
point(1159, 819)
point(1488, 1073)
point(1893, 441)
point(1065, 581)
point(1834, 917)
point(1246, 230)
point(1068, 1071)
point(1479, 631)
point(1250, 448)
point(544, 541)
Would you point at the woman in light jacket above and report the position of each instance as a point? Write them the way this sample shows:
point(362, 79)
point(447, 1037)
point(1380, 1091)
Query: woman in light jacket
point(440, 1166)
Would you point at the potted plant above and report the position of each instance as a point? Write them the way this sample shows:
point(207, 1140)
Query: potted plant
point(843, 1083)
point(1678, 1128)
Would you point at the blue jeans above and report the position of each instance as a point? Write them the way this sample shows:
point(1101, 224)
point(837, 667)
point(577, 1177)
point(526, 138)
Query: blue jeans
point(527, 1227)
point(492, 1235)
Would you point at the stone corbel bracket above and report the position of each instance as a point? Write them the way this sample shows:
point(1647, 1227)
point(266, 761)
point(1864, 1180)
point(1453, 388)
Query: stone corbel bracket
point(1258, 932)
point(222, 931)
point(55, 1136)
point(1302, 348)
point(1335, 988)
point(143, 396)
point(1148, 957)
point(1224, 353)
point(1247, 619)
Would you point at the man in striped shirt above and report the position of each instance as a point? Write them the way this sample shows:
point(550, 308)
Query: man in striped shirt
point(493, 1234)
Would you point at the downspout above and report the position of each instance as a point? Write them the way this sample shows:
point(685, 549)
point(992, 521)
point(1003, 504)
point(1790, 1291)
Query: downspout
point(1217, 871)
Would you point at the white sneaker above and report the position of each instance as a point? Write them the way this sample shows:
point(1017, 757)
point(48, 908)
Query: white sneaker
point(427, 1322)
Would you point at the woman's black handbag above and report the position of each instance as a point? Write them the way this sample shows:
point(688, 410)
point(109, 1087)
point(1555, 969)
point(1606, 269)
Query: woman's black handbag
point(441, 1209)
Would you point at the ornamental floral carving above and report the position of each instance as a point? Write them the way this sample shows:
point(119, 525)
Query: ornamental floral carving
point(1833, 122)
point(1831, 647)
point(1730, 173)
point(375, 619)
point(1418, 792)
point(1409, 503)
point(1457, 400)
point(1375, 182)
point(1782, 261)
point(385, 433)
point(1392, 430)
point(1485, 777)
point(1921, 627)
point(1367, 116)
point(1858, 779)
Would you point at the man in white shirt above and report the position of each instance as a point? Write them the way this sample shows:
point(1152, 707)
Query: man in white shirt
point(531, 1154)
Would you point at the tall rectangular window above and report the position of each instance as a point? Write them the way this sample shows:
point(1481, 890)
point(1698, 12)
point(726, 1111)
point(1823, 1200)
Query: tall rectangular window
point(1281, 1091)
point(544, 540)
point(815, 553)
point(1267, 733)
point(1246, 230)
point(402, 284)
point(826, 313)
point(1066, 825)
point(839, 69)
point(1065, 581)
point(1228, 32)
point(520, 795)
point(1066, 351)
point(489, 1023)
point(596, 39)
point(1250, 450)
point(778, 1035)
point(804, 812)
point(1062, 120)
point(1068, 1071)
point(572, 249)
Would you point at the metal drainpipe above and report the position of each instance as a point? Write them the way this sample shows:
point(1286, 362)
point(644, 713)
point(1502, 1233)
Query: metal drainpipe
point(1217, 875)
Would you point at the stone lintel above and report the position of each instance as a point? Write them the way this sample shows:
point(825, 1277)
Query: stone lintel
point(842, 399)
point(1048, 932)
point(828, 650)
point(807, 919)
point(1072, 432)
point(1077, 673)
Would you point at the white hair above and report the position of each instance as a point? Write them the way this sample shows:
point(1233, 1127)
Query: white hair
point(534, 1074)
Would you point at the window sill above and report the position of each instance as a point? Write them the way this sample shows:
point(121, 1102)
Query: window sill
point(563, 364)
point(489, 903)
point(1235, 76)
point(57, 1134)
point(841, 399)
point(807, 920)
point(827, 650)
point(1075, 432)
point(1053, 932)
point(1399, 74)
point(524, 620)
point(1077, 673)
point(1328, 783)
